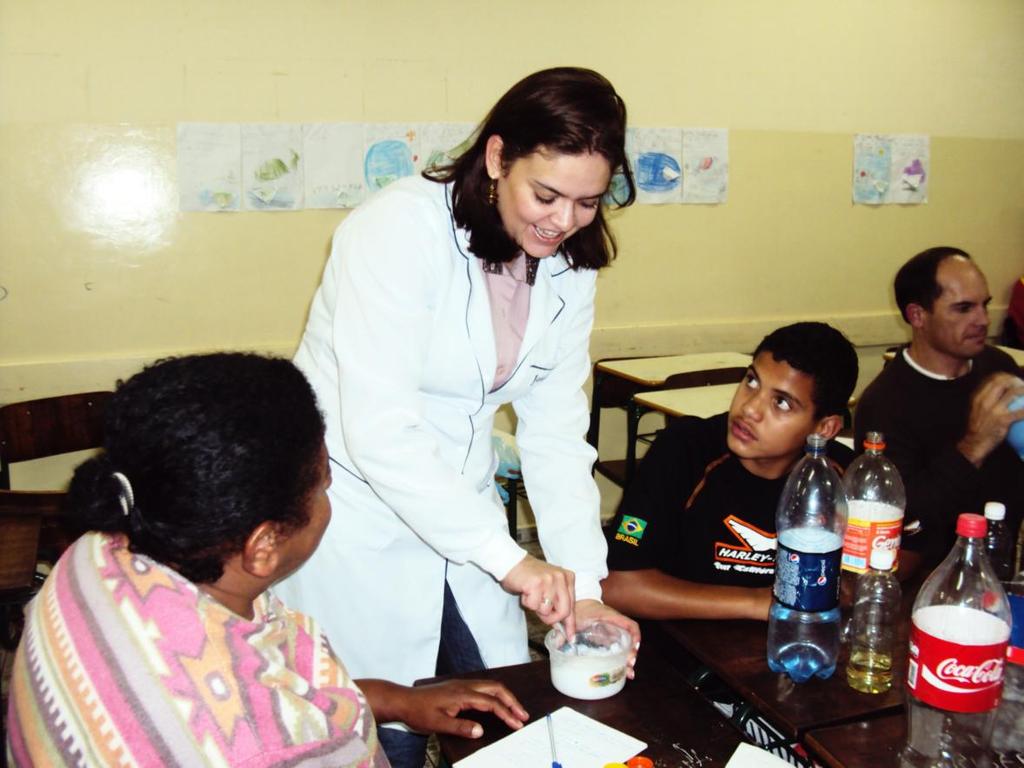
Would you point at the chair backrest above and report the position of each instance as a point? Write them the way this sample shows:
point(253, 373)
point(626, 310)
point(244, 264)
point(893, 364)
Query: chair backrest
point(22, 514)
point(34, 429)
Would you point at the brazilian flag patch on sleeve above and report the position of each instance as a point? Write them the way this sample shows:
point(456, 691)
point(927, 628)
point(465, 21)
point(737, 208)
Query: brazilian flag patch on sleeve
point(631, 530)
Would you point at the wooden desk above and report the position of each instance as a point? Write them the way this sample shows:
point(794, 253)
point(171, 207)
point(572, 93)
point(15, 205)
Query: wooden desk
point(654, 371)
point(658, 707)
point(735, 651)
point(616, 381)
point(876, 742)
point(695, 401)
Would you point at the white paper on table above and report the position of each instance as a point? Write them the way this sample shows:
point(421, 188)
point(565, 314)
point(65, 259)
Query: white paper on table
point(333, 164)
point(209, 166)
point(749, 756)
point(656, 155)
point(272, 167)
point(581, 742)
point(705, 165)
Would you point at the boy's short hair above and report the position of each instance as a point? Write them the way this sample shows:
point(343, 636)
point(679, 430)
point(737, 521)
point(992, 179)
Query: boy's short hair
point(824, 354)
point(915, 282)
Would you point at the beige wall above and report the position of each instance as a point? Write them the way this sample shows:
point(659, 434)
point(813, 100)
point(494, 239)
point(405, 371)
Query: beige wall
point(99, 271)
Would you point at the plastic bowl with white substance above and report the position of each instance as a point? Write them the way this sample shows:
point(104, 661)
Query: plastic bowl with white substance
point(593, 665)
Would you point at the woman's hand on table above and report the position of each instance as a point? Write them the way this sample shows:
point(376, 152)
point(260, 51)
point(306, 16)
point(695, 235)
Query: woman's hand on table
point(435, 708)
point(545, 589)
point(589, 611)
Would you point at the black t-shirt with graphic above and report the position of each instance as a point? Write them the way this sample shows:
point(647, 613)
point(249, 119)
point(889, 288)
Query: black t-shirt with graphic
point(695, 513)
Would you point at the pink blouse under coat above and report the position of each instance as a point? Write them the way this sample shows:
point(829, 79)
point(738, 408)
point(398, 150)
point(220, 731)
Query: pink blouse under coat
point(509, 292)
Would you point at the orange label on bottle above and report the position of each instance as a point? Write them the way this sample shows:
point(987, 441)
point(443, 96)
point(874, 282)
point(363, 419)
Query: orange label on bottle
point(864, 535)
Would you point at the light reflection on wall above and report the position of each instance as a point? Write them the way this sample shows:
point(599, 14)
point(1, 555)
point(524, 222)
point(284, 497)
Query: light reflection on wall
point(123, 195)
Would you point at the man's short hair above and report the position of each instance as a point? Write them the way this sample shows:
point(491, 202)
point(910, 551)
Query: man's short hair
point(915, 282)
point(824, 354)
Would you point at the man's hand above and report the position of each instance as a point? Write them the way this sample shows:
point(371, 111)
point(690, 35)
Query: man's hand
point(990, 416)
point(545, 589)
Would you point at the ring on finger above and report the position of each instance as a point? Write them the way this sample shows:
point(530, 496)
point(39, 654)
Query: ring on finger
point(545, 602)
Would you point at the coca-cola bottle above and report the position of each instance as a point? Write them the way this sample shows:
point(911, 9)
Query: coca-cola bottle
point(960, 626)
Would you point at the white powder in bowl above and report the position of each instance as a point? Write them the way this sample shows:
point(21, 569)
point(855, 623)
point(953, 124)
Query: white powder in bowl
point(593, 666)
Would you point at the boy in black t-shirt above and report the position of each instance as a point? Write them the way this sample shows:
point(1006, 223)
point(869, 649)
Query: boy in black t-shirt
point(694, 536)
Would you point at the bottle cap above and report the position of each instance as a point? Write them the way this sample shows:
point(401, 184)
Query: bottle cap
point(995, 511)
point(874, 441)
point(640, 761)
point(816, 443)
point(883, 559)
point(971, 525)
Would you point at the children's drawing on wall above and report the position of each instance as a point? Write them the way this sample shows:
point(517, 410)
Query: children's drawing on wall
point(910, 163)
point(272, 167)
point(291, 166)
point(334, 164)
point(209, 166)
point(441, 143)
point(656, 154)
point(872, 157)
point(705, 165)
point(392, 149)
point(890, 169)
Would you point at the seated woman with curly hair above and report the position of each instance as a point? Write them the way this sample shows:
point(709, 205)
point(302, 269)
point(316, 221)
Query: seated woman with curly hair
point(155, 642)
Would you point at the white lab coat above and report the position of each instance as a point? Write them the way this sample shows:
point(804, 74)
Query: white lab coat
point(400, 349)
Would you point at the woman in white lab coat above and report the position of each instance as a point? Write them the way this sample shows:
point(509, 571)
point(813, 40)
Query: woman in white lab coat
point(444, 298)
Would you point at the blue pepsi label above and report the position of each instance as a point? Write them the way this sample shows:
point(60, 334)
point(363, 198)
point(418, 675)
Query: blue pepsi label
point(807, 581)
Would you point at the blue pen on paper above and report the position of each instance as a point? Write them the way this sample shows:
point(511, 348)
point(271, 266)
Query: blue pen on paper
point(551, 738)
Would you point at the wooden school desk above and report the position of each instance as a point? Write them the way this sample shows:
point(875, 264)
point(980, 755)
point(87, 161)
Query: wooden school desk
point(696, 401)
point(658, 707)
point(876, 742)
point(616, 381)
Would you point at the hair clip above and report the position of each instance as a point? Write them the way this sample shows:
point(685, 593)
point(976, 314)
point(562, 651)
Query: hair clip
point(127, 496)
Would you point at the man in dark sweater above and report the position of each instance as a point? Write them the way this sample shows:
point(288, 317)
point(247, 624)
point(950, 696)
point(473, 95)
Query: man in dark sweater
point(694, 536)
point(942, 404)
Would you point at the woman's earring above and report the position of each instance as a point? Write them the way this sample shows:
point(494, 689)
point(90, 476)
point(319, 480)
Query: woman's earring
point(492, 192)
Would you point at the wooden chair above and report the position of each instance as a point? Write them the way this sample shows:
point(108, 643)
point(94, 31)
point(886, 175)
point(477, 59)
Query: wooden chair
point(35, 429)
point(22, 514)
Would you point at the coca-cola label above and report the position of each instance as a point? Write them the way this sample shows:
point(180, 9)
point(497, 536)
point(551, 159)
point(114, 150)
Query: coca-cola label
point(954, 677)
point(807, 581)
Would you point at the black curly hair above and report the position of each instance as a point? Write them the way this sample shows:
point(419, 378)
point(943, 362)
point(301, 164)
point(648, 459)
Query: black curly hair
point(824, 354)
point(213, 445)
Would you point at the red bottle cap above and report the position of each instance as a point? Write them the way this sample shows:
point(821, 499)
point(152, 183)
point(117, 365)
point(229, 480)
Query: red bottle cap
point(970, 525)
point(640, 762)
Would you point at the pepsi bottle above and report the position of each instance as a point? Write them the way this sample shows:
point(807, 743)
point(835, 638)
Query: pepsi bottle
point(803, 623)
